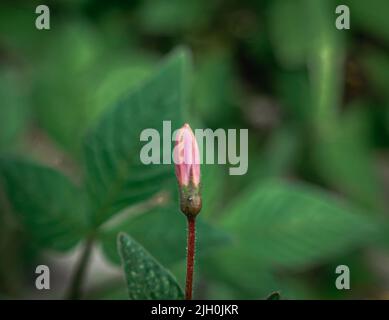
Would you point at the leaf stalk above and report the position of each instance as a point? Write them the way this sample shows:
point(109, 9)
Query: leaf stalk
point(75, 289)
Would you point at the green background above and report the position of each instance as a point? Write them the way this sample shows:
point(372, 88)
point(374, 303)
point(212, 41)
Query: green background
point(74, 99)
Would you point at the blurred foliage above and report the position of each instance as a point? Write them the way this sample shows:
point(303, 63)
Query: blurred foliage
point(13, 111)
point(74, 99)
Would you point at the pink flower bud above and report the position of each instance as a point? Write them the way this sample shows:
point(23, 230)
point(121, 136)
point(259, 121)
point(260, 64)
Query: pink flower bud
point(187, 164)
point(187, 157)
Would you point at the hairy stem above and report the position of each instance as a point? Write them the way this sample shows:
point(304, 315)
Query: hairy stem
point(190, 257)
point(74, 292)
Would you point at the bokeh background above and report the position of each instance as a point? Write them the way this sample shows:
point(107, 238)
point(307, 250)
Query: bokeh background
point(315, 100)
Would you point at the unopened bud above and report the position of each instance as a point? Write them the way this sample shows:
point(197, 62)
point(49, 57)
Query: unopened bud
point(187, 165)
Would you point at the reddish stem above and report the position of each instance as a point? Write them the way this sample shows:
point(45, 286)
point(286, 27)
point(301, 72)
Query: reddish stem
point(190, 257)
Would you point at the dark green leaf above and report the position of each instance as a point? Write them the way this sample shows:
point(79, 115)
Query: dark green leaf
point(274, 296)
point(116, 177)
point(294, 226)
point(50, 207)
point(146, 278)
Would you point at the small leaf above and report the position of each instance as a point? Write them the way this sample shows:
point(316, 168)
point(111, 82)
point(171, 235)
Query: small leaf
point(116, 177)
point(274, 296)
point(146, 278)
point(50, 207)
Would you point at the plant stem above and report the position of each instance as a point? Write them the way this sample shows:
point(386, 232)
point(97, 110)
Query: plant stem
point(190, 257)
point(74, 292)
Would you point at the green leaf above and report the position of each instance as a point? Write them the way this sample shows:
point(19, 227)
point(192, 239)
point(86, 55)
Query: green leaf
point(50, 207)
point(274, 296)
point(294, 226)
point(146, 278)
point(123, 75)
point(116, 177)
point(162, 231)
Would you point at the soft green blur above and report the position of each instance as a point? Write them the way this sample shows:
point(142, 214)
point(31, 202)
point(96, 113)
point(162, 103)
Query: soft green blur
point(315, 100)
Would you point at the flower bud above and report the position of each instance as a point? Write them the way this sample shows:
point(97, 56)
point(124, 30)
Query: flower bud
point(187, 165)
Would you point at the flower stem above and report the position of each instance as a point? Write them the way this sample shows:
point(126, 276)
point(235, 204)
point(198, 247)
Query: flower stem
point(74, 292)
point(190, 257)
